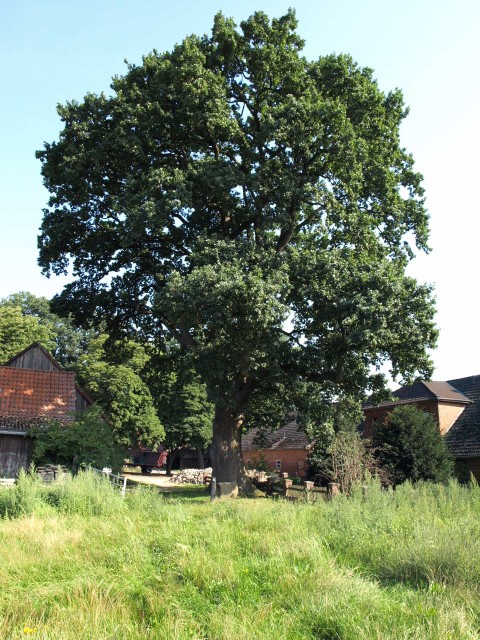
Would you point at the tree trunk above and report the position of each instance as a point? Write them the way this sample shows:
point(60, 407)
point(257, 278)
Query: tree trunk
point(200, 458)
point(170, 459)
point(227, 459)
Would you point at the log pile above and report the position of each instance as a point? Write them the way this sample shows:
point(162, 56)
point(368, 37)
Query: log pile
point(51, 472)
point(203, 476)
point(256, 476)
point(192, 476)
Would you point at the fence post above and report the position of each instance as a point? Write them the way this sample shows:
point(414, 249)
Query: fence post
point(287, 483)
point(124, 488)
point(333, 490)
point(213, 488)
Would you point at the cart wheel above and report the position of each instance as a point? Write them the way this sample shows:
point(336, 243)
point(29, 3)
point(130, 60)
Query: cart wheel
point(148, 469)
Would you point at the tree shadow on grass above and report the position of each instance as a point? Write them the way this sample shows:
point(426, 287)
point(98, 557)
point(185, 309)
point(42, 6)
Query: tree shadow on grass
point(191, 493)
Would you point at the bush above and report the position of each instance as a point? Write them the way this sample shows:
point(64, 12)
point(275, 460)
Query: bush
point(88, 440)
point(409, 446)
point(345, 461)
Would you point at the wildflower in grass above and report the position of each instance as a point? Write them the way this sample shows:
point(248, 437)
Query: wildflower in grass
point(29, 629)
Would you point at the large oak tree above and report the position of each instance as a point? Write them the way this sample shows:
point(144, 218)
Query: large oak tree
point(253, 205)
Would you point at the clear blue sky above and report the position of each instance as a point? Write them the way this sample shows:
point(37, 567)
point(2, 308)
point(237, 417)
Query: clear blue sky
point(54, 51)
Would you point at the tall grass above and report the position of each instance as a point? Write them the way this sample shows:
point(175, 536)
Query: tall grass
point(86, 494)
point(80, 562)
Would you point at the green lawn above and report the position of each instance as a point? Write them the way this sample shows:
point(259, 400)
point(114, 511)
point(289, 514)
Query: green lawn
point(77, 562)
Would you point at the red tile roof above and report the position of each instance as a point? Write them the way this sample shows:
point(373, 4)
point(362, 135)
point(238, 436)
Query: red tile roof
point(32, 394)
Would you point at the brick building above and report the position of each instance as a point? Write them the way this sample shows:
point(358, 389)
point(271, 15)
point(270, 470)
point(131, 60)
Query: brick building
point(283, 450)
point(455, 405)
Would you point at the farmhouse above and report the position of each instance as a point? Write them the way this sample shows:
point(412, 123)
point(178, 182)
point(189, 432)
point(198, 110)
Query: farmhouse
point(283, 450)
point(34, 388)
point(455, 405)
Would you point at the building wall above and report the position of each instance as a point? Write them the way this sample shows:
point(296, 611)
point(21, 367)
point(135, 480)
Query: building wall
point(34, 358)
point(445, 413)
point(81, 402)
point(292, 461)
point(381, 413)
point(448, 412)
point(15, 453)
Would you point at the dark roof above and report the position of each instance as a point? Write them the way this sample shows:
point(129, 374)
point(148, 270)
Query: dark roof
point(22, 423)
point(463, 438)
point(421, 391)
point(287, 437)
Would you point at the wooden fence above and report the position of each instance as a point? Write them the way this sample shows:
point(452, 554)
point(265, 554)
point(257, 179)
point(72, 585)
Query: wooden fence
point(284, 487)
point(118, 481)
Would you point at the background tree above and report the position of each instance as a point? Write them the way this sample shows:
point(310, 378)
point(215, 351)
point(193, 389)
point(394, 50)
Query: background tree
point(18, 331)
point(228, 186)
point(182, 404)
point(346, 461)
point(337, 452)
point(60, 336)
point(409, 446)
point(121, 392)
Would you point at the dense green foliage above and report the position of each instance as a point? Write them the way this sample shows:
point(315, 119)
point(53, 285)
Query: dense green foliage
point(181, 401)
point(228, 186)
point(409, 446)
point(88, 440)
point(80, 563)
point(18, 331)
point(112, 377)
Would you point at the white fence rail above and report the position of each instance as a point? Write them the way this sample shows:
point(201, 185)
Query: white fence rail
point(118, 481)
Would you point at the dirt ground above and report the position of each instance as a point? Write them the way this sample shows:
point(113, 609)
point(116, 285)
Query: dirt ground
point(157, 478)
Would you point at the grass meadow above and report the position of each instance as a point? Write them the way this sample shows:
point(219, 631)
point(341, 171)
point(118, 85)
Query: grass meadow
point(78, 562)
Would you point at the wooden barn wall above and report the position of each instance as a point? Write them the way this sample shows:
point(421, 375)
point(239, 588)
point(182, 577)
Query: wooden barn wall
point(34, 358)
point(15, 453)
point(81, 403)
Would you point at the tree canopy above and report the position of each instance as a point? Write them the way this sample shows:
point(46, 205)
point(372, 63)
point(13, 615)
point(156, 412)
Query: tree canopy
point(253, 205)
point(181, 401)
point(120, 390)
point(18, 331)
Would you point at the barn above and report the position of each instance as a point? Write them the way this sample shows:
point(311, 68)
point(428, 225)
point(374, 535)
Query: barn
point(34, 388)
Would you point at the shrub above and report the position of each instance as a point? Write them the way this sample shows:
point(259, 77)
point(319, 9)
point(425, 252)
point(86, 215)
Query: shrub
point(344, 461)
point(88, 440)
point(409, 446)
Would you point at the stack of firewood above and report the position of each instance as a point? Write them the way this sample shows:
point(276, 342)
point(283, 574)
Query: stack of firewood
point(191, 476)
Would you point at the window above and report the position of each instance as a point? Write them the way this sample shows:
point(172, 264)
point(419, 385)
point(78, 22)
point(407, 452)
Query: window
point(278, 465)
